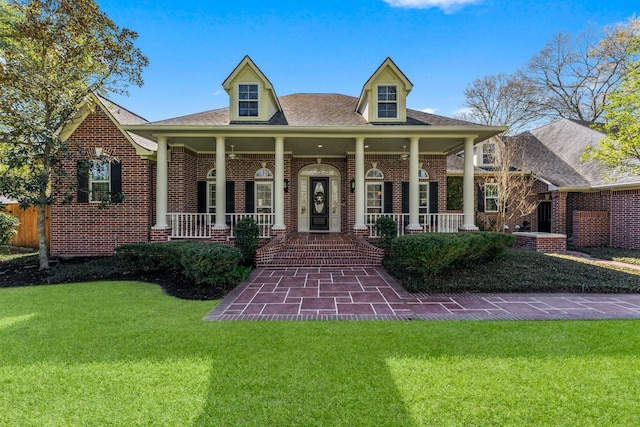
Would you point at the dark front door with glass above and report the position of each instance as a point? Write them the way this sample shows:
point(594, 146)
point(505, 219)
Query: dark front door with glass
point(319, 204)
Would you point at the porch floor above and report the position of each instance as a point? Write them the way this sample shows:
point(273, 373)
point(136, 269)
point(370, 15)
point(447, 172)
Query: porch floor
point(369, 293)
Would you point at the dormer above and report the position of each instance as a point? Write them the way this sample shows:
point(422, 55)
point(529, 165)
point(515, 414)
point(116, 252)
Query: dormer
point(251, 95)
point(384, 95)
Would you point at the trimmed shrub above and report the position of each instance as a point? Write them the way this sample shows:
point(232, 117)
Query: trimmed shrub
point(247, 239)
point(387, 230)
point(415, 259)
point(203, 263)
point(8, 228)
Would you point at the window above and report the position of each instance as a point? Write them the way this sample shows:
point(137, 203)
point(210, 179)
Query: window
point(423, 197)
point(387, 101)
point(248, 100)
point(264, 197)
point(374, 174)
point(374, 197)
point(491, 198)
point(211, 191)
point(264, 173)
point(99, 181)
point(489, 153)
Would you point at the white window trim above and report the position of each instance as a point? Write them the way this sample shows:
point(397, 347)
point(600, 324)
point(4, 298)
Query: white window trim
point(211, 204)
point(481, 149)
point(423, 208)
point(375, 171)
point(267, 174)
point(257, 101)
point(256, 204)
point(380, 208)
point(379, 101)
point(496, 197)
point(92, 181)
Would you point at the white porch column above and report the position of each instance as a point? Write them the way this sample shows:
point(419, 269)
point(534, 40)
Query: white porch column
point(414, 185)
point(359, 192)
point(162, 179)
point(467, 187)
point(278, 186)
point(221, 185)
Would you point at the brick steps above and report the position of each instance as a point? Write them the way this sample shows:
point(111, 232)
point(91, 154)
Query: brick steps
point(339, 251)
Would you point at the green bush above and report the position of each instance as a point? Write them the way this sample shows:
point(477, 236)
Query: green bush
point(387, 230)
point(8, 228)
point(417, 258)
point(247, 239)
point(203, 263)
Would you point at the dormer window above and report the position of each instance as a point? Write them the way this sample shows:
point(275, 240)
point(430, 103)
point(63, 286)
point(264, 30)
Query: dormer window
point(248, 102)
point(387, 102)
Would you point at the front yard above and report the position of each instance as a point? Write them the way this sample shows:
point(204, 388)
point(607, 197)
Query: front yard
point(124, 353)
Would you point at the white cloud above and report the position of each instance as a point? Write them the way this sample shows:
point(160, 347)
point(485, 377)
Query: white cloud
point(447, 6)
point(429, 110)
point(218, 92)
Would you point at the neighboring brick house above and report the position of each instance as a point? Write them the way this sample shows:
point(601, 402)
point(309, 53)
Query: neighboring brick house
point(302, 163)
point(593, 206)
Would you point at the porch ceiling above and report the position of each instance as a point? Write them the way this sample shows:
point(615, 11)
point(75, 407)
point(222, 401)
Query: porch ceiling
point(318, 146)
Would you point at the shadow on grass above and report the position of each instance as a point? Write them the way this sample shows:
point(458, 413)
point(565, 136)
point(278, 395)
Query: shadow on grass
point(127, 354)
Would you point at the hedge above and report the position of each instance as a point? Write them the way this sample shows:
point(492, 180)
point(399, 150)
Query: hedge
point(422, 256)
point(204, 263)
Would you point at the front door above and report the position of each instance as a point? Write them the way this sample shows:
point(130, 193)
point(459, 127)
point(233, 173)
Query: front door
point(544, 216)
point(319, 204)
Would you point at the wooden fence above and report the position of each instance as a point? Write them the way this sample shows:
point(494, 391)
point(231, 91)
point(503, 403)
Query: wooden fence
point(27, 236)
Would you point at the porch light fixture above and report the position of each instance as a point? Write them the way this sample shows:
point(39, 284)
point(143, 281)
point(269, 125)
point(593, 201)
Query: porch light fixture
point(352, 185)
point(286, 185)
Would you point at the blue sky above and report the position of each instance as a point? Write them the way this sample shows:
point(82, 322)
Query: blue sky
point(333, 46)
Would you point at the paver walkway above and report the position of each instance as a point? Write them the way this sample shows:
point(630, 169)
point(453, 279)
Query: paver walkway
point(368, 293)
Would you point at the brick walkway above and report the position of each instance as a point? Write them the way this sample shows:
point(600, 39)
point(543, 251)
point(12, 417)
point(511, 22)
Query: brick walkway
point(368, 293)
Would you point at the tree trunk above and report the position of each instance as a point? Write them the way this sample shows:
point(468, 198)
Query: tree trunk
point(43, 248)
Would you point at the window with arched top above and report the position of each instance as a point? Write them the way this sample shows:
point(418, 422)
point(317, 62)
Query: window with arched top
point(423, 174)
point(374, 174)
point(264, 173)
point(211, 174)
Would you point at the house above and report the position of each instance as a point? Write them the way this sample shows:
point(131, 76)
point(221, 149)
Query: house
point(301, 163)
point(593, 206)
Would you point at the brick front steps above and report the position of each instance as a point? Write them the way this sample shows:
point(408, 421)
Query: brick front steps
point(315, 250)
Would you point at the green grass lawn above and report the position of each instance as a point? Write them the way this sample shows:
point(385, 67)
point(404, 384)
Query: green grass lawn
point(109, 353)
point(630, 256)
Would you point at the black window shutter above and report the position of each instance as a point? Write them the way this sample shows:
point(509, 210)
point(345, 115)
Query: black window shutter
point(202, 196)
point(83, 181)
point(433, 197)
point(388, 197)
point(249, 191)
point(231, 197)
point(116, 177)
point(405, 197)
point(480, 198)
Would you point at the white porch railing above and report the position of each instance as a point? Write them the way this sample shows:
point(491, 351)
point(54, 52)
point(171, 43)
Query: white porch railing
point(198, 225)
point(430, 222)
point(264, 221)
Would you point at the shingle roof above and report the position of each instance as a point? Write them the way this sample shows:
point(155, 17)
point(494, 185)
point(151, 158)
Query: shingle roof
point(554, 153)
point(307, 109)
point(126, 117)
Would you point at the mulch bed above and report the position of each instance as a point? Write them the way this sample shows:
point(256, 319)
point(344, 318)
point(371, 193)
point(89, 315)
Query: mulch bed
point(25, 272)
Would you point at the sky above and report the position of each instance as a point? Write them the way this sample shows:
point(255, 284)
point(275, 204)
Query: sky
point(334, 46)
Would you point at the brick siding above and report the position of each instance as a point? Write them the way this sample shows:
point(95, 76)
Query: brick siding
point(84, 228)
point(590, 228)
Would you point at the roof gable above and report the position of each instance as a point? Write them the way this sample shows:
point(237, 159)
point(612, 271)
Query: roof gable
point(387, 74)
point(248, 72)
point(118, 115)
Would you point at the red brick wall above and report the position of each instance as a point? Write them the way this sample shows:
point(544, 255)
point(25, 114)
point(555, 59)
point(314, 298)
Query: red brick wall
point(84, 228)
point(590, 228)
point(596, 201)
point(625, 219)
point(183, 186)
point(541, 243)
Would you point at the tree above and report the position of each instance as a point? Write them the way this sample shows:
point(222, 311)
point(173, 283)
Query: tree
point(516, 197)
point(620, 148)
point(502, 100)
point(53, 55)
point(575, 75)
